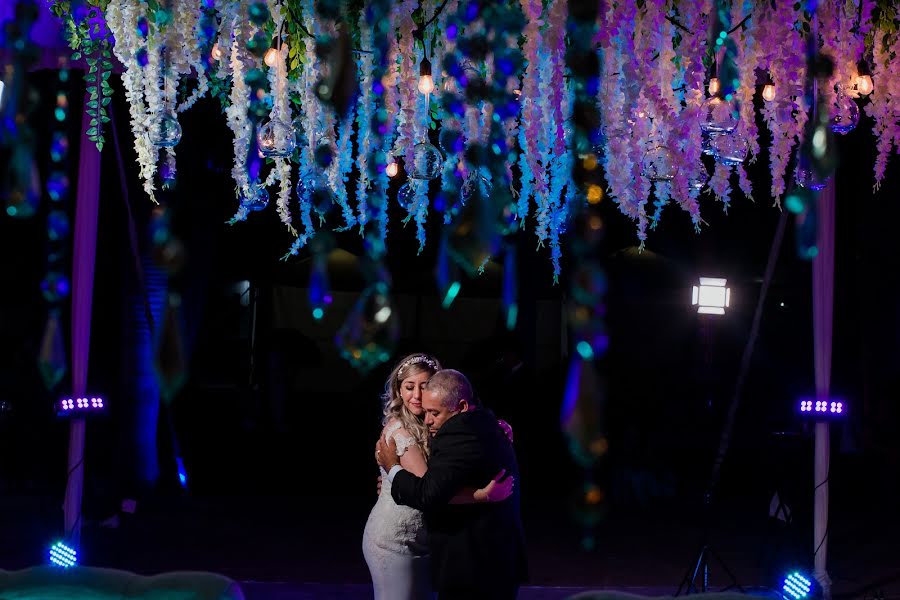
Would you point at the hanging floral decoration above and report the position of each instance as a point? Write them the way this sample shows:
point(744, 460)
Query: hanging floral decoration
point(661, 95)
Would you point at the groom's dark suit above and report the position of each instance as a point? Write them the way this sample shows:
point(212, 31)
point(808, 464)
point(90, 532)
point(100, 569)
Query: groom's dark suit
point(477, 550)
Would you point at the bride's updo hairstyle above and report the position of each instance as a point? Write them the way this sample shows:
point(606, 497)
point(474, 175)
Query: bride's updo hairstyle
point(393, 403)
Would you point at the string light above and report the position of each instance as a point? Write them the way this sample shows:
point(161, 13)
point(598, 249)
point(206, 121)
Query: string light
point(271, 57)
point(216, 51)
point(426, 82)
point(864, 83)
point(714, 86)
point(768, 92)
point(392, 169)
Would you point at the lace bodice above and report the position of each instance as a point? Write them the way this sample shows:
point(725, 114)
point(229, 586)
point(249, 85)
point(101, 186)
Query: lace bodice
point(403, 440)
point(390, 526)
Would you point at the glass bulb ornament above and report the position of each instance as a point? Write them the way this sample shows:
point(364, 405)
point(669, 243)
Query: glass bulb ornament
point(55, 287)
point(468, 188)
point(718, 115)
point(657, 164)
point(165, 131)
point(313, 189)
point(700, 177)
point(406, 195)
point(844, 114)
point(708, 138)
point(256, 198)
point(730, 149)
point(369, 335)
point(300, 139)
point(809, 179)
point(427, 161)
point(276, 139)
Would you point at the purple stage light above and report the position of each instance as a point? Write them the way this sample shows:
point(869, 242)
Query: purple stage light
point(822, 408)
point(80, 406)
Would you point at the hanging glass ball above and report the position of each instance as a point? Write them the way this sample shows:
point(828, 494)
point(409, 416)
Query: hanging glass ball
point(469, 187)
point(700, 176)
point(55, 287)
point(730, 149)
point(708, 138)
point(165, 131)
point(427, 161)
point(844, 114)
point(256, 198)
point(59, 147)
point(313, 189)
point(657, 164)
point(406, 195)
point(369, 335)
point(58, 186)
point(276, 138)
point(57, 225)
point(299, 132)
point(718, 116)
point(807, 178)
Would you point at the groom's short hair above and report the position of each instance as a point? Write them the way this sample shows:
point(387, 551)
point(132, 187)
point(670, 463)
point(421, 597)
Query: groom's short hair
point(453, 387)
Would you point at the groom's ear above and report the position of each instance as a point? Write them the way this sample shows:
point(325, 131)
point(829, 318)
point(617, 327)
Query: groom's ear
point(463, 406)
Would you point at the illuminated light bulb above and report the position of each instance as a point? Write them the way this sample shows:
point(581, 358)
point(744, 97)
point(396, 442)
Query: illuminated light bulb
point(864, 85)
point(714, 86)
point(271, 57)
point(392, 169)
point(216, 51)
point(768, 92)
point(426, 82)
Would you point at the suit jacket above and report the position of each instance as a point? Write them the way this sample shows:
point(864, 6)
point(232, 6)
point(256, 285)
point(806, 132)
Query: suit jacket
point(479, 546)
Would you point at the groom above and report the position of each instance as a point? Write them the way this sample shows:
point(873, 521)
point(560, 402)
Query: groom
point(477, 550)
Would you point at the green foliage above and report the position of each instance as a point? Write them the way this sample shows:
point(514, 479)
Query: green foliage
point(97, 56)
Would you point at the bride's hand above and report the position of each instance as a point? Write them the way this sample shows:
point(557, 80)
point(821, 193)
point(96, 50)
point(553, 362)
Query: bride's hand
point(507, 429)
point(497, 490)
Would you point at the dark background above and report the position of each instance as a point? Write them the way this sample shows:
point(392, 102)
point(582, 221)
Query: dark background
point(279, 456)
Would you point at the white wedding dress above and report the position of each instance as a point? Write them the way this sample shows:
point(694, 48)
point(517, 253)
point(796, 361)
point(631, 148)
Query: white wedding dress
point(395, 542)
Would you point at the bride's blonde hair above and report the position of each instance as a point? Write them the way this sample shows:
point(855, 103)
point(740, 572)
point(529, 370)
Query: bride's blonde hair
point(393, 403)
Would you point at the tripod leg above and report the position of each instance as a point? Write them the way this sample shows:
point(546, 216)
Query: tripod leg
point(734, 581)
point(688, 582)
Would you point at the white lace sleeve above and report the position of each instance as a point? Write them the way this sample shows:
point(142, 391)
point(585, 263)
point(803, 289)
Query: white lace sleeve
point(403, 440)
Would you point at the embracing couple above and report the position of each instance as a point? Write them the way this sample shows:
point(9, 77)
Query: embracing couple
point(447, 517)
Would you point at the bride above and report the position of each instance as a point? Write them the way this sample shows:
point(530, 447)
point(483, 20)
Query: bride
point(395, 542)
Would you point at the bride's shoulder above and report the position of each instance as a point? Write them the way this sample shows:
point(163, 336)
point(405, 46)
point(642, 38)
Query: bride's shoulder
point(392, 426)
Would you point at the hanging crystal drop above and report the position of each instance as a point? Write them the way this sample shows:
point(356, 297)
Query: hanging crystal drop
point(369, 335)
point(170, 359)
point(582, 413)
point(52, 358)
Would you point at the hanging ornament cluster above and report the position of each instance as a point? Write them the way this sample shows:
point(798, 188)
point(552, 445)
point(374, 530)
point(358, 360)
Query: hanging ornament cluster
point(55, 286)
point(677, 80)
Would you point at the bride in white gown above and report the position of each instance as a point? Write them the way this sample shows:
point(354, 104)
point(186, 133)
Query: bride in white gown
point(395, 542)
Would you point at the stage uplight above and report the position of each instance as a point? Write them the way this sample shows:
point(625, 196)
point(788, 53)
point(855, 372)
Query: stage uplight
point(822, 409)
point(796, 586)
point(62, 555)
point(712, 296)
point(80, 406)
